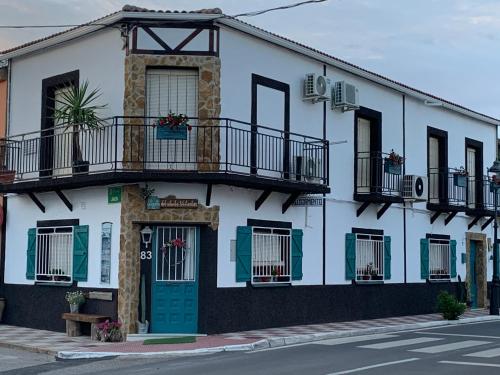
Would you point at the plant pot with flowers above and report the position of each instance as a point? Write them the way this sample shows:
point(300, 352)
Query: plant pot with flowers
point(109, 331)
point(75, 299)
point(460, 177)
point(393, 163)
point(173, 126)
point(494, 183)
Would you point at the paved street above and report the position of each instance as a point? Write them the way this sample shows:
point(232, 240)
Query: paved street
point(466, 349)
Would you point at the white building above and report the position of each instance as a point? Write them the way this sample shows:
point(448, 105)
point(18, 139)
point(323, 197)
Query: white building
point(278, 221)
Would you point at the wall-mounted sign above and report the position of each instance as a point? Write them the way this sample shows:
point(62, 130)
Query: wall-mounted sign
point(153, 203)
point(178, 203)
point(308, 201)
point(115, 194)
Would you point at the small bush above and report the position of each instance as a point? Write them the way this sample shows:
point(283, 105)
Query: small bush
point(449, 306)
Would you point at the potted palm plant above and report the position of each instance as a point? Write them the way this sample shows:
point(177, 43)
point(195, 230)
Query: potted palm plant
point(77, 110)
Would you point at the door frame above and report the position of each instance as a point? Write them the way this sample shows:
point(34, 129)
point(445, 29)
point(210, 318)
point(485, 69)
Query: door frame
point(258, 80)
point(49, 86)
point(153, 270)
point(481, 266)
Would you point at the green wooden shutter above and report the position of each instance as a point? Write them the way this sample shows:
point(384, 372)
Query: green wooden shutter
point(453, 258)
point(80, 252)
point(424, 258)
point(243, 253)
point(31, 254)
point(350, 256)
point(297, 254)
point(387, 257)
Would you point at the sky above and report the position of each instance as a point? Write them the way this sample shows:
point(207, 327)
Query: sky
point(449, 48)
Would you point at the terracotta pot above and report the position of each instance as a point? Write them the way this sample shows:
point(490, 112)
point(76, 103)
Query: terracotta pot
point(2, 307)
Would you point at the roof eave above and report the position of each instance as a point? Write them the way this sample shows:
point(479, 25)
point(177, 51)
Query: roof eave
point(262, 34)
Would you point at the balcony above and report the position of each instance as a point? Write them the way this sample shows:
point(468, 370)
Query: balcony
point(480, 200)
point(378, 180)
point(131, 149)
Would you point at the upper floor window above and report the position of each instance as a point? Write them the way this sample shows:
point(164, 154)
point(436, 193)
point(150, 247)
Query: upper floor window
point(437, 159)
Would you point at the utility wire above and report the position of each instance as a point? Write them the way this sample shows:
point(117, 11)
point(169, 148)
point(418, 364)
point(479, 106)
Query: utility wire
point(247, 14)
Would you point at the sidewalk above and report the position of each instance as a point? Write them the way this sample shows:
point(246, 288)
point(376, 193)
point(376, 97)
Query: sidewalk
point(59, 344)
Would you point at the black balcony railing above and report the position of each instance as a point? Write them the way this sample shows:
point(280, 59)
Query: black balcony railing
point(137, 144)
point(376, 174)
point(488, 191)
point(447, 187)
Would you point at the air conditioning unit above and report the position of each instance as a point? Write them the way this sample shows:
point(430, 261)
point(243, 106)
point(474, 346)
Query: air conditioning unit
point(317, 88)
point(306, 168)
point(345, 96)
point(415, 188)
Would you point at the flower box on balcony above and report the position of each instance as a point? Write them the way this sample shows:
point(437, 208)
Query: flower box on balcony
point(167, 132)
point(392, 167)
point(7, 176)
point(459, 180)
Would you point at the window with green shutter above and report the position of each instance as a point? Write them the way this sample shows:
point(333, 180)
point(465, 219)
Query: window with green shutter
point(387, 257)
point(438, 257)
point(424, 258)
point(367, 256)
point(268, 255)
point(350, 256)
point(31, 254)
point(80, 252)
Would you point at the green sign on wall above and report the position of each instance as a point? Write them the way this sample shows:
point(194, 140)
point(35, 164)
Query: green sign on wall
point(115, 194)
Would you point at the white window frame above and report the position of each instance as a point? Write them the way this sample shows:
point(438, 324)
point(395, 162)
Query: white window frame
point(366, 262)
point(439, 264)
point(279, 237)
point(48, 276)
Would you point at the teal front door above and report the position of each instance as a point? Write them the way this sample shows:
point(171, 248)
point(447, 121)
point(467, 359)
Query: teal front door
point(174, 290)
point(473, 274)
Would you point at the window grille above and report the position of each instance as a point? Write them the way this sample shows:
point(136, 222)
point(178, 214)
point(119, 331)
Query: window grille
point(439, 259)
point(176, 254)
point(271, 255)
point(54, 254)
point(369, 257)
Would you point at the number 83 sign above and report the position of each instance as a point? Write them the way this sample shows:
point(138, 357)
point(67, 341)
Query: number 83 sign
point(146, 255)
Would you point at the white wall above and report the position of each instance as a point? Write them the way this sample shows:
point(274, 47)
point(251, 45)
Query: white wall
point(90, 206)
point(242, 55)
point(98, 57)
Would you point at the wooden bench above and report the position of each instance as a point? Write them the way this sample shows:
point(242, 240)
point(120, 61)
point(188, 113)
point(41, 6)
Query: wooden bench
point(74, 321)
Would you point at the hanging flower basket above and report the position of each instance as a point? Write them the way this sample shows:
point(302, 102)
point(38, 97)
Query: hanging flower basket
point(391, 167)
point(460, 178)
point(173, 127)
point(393, 163)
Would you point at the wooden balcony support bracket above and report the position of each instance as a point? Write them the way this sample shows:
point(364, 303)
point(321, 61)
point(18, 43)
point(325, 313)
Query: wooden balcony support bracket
point(382, 210)
point(450, 217)
point(435, 216)
point(488, 222)
point(291, 199)
point(209, 195)
point(65, 200)
point(35, 200)
point(474, 222)
point(262, 198)
point(362, 208)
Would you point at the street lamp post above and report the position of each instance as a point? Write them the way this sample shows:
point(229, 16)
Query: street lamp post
point(495, 169)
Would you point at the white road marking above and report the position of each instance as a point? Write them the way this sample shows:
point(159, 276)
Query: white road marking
point(347, 340)
point(7, 357)
point(458, 335)
point(450, 347)
point(490, 353)
point(374, 366)
point(397, 343)
point(470, 363)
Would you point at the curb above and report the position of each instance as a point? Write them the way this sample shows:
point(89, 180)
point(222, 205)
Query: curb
point(32, 349)
point(280, 341)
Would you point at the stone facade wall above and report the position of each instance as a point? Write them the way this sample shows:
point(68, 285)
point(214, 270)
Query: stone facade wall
point(481, 266)
point(133, 213)
point(208, 134)
point(208, 156)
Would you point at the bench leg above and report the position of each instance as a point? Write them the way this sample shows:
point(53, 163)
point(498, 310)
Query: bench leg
point(93, 331)
point(73, 328)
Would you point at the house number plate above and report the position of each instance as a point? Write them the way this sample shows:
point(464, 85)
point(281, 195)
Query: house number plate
point(146, 254)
